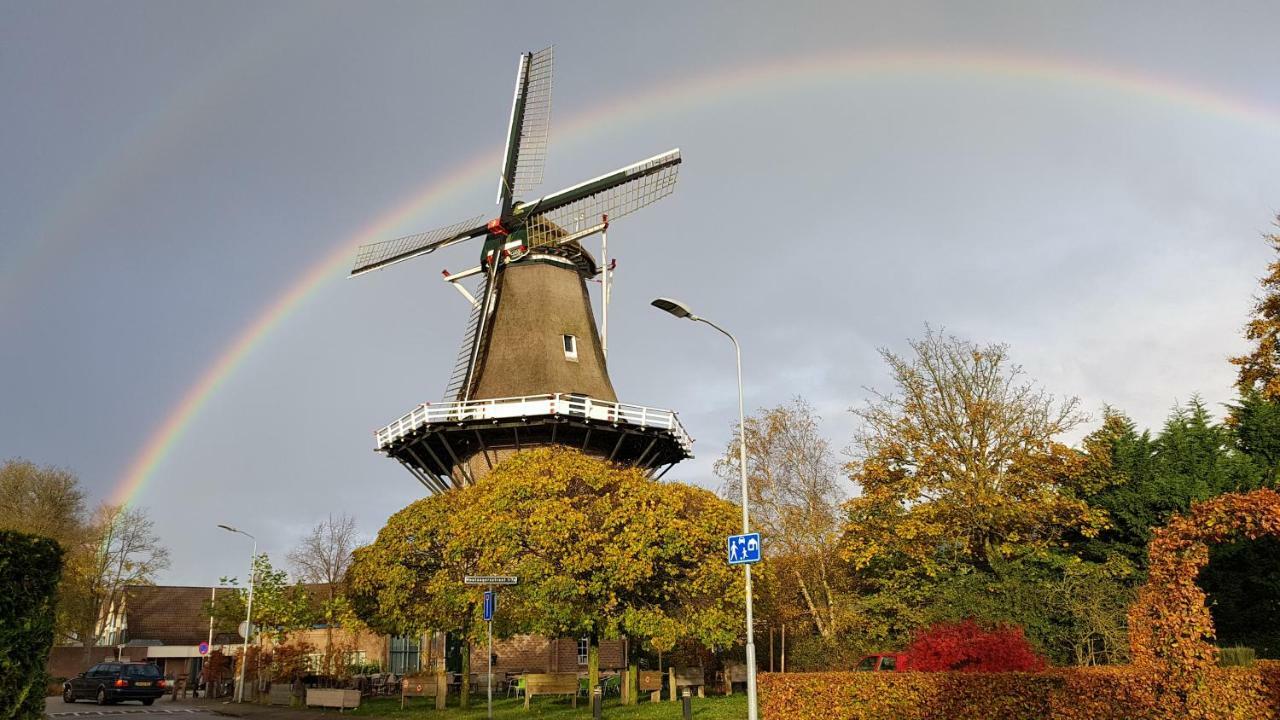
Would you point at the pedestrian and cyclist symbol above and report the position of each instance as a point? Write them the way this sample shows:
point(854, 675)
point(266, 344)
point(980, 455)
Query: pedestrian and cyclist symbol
point(744, 549)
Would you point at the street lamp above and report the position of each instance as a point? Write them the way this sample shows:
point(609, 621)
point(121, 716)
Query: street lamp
point(680, 310)
point(248, 614)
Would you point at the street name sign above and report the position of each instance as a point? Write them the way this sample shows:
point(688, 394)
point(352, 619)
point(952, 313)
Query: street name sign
point(490, 580)
point(744, 549)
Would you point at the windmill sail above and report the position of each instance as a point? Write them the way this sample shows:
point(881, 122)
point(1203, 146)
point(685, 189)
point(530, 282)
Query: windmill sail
point(615, 194)
point(531, 158)
point(388, 252)
point(460, 381)
point(526, 151)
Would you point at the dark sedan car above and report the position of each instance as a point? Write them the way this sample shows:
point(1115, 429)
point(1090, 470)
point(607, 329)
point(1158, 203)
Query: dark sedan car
point(110, 682)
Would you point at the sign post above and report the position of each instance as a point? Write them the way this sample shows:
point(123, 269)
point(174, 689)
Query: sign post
point(490, 605)
point(490, 609)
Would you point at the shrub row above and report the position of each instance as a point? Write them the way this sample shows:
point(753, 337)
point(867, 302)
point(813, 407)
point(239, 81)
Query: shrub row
point(29, 570)
point(1111, 693)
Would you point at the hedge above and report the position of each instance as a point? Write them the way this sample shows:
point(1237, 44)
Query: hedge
point(1110, 693)
point(29, 570)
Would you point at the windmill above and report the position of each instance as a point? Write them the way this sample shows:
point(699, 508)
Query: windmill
point(531, 370)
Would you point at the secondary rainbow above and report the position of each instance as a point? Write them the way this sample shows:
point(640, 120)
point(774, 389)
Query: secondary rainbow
point(691, 95)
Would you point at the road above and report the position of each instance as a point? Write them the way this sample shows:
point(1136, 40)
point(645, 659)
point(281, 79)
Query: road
point(54, 707)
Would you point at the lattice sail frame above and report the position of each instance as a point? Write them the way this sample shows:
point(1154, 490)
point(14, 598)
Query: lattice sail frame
point(641, 184)
point(387, 252)
point(535, 130)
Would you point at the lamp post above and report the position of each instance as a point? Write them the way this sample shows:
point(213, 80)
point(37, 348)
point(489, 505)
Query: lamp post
point(248, 614)
point(680, 310)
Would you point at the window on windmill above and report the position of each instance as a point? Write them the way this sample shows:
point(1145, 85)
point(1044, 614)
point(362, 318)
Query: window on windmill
point(570, 347)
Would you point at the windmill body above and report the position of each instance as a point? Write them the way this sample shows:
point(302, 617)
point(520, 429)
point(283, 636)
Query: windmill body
point(531, 370)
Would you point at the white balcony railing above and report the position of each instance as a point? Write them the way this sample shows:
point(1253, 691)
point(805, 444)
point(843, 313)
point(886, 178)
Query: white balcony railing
point(578, 406)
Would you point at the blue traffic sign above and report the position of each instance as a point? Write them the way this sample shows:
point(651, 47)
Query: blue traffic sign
point(203, 648)
point(490, 604)
point(744, 549)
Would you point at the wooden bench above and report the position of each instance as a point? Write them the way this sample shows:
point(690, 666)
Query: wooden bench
point(687, 677)
point(734, 674)
point(651, 682)
point(550, 684)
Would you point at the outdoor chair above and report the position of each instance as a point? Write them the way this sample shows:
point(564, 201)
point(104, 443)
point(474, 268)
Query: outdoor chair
point(517, 687)
point(612, 685)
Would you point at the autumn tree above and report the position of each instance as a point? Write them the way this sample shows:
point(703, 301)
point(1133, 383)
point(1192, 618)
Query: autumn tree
point(279, 606)
point(106, 550)
point(962, 464)
point(409, 580)
point(604, 552)
point(129, 550)
point(599, 551)
point(45, 501)
point(793, 486)
point(48, 501)
point(322, 559)
point(1259, 369)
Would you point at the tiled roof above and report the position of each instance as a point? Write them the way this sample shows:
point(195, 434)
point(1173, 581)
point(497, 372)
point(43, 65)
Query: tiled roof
point(175, 615)
point(170, 614)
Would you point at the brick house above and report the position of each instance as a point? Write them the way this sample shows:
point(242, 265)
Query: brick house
point(165, 624)
point(535, 653)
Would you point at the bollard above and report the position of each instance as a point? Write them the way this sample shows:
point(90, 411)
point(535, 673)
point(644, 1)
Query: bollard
point(597, 703)
point(687, 698)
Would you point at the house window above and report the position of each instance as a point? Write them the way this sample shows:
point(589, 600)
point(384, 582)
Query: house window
point(570, 347)
point(405, 655)
point(584, 644)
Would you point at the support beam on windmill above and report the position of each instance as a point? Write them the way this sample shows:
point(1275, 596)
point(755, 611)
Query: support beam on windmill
point(531, 370)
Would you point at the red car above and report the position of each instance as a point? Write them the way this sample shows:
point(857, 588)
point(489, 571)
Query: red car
point(884, 662)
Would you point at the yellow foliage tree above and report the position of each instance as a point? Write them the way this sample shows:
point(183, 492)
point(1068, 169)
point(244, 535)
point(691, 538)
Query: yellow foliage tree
point(600, 551)
point(410, 579)
point(793, 485)
point(603, 552)
point(961, 465)
point(1259, 370)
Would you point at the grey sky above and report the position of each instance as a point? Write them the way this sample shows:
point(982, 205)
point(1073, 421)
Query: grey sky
point(168, 169)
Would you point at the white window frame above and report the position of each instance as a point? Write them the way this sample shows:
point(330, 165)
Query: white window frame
point(570, 345)
point(584, 650)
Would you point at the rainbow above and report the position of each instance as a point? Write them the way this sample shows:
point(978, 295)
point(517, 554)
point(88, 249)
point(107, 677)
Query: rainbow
point(696, 93)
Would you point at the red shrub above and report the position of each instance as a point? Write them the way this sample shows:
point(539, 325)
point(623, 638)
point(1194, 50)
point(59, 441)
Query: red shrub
point(968, 647)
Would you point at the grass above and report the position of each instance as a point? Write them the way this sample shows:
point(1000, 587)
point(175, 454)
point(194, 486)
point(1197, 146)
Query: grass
point(711, 708)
